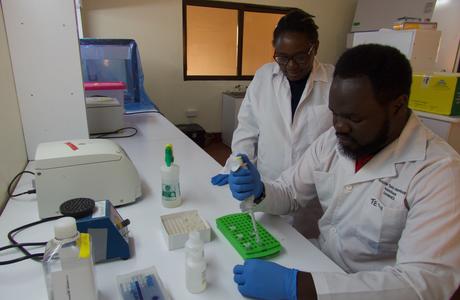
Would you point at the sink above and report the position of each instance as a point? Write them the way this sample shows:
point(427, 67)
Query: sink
point(236, 94)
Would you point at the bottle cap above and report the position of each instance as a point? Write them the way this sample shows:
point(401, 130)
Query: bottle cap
point(65, 228)
point(169, 157)
point(194, 240)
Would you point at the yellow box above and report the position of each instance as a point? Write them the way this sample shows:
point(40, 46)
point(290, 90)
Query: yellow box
point(415, 25)
point(436, 93)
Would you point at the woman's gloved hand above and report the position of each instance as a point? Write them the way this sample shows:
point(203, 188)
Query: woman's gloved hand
point(265, 280)
point(220, 179)
point(245, 182)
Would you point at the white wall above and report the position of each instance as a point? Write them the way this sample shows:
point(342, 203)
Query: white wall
point(156, 25)
point(12, 147)
point(44, 50)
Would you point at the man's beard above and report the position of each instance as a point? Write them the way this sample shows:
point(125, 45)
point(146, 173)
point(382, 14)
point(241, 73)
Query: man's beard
point(371, 148)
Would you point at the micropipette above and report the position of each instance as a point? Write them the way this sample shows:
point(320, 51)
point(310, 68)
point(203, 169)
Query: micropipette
point(247, 205)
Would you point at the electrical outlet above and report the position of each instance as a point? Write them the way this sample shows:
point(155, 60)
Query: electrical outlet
point(191, 112)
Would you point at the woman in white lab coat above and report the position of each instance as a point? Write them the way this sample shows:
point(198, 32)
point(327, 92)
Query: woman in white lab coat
point(285, 107)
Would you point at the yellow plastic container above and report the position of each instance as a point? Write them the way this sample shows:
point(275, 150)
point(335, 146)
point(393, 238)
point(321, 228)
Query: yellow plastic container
point(436, 93)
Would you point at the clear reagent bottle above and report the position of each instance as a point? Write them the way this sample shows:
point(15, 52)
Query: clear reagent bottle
point(170, 188)
point(68, 264)
point(195, 264)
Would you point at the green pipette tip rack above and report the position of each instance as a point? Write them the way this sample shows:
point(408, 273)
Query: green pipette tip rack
point(238, 230)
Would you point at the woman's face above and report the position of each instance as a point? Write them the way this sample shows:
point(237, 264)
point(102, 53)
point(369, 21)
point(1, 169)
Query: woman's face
point(295, 54)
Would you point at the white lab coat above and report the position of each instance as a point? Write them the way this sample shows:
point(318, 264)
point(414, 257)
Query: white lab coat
point(266, 131)
point(394, 226)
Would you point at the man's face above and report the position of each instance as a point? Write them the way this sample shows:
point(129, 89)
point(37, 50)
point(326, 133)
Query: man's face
point(295, 54)
point(361, 123)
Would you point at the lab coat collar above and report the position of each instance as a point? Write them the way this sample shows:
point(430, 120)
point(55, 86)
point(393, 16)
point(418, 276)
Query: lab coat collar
point(317, 73)
point(410, 146)
point(283, 90)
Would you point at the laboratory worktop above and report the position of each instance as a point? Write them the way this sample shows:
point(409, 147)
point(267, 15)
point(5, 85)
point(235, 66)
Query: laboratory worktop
point(25, 280)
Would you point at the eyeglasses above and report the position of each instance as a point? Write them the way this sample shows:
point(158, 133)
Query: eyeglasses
point(300, 59)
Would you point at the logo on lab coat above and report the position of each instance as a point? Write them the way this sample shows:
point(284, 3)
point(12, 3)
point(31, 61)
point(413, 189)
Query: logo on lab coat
point(391, 191)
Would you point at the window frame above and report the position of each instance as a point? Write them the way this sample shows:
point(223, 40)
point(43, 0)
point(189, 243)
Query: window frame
point(241, 8)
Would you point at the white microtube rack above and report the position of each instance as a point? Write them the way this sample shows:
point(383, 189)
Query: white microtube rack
point(177, 226)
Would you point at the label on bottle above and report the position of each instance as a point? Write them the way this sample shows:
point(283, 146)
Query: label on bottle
point(170, 191)
point(203, 278)
point(75, 283)
point(195, 277)
point(83, 243)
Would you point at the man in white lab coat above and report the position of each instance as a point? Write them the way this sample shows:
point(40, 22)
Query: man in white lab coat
point(388, 186)
point(285, 107)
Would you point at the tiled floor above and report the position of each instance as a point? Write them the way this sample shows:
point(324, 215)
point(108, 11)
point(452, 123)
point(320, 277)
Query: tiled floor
point(212, 143)
point(218, 150)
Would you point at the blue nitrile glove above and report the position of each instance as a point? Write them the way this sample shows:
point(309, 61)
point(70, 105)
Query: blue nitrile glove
point(245, 182)
point(220, 179)
point(265, 280)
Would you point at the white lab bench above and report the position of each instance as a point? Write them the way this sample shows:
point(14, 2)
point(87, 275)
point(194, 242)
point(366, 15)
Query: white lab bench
point(25, 280)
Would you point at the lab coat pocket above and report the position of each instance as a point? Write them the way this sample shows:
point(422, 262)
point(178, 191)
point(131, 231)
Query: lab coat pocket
point(381, 226)
point(394, 221)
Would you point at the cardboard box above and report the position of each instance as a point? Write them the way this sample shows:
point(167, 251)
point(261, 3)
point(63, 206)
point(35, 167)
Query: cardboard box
point(438, 93)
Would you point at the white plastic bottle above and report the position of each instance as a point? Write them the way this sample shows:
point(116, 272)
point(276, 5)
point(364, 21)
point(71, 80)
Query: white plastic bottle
point(195, 264)
point(170, 188)
point(68, 264)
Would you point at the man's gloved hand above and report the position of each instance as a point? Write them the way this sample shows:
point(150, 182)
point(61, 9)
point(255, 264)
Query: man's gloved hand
point(245, 182)
point(265, 280)
point(220, 179)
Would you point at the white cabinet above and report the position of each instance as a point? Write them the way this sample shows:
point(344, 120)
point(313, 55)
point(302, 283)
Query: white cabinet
point(419, 46)
point(447, 128)
point(231, 102)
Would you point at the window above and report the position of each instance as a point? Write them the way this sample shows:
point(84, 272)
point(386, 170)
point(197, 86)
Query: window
point(227, 41)
point(212, 41)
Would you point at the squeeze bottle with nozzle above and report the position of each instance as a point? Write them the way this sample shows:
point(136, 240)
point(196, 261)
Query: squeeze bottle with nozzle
point(170, 188)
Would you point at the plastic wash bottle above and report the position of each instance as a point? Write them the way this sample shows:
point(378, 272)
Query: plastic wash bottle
point(170, 188)
point(195, 264)
point(68, 264)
